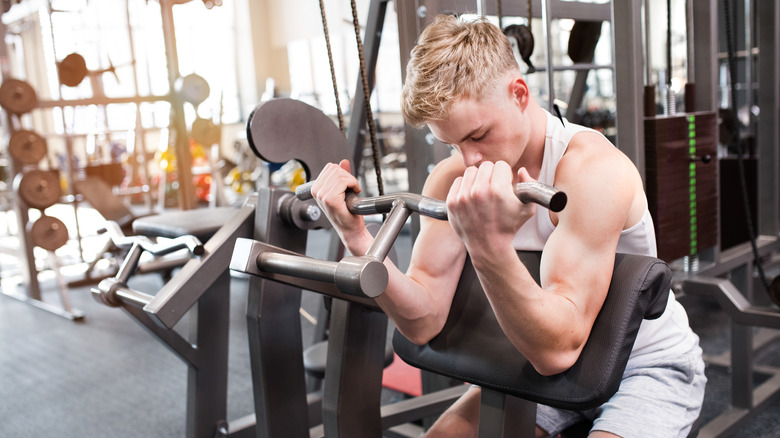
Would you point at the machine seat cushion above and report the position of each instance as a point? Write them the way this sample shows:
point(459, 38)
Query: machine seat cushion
point(472, 347)
point(201, 223)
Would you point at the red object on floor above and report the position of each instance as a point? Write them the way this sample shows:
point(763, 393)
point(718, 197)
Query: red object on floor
point(402, 377)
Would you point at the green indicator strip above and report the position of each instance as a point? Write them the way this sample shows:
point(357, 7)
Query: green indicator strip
point(693, 230)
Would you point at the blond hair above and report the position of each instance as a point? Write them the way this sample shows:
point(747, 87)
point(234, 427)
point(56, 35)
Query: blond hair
point(453, 58)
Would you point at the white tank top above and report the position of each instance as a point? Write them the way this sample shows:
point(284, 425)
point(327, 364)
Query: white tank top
point(667, 334)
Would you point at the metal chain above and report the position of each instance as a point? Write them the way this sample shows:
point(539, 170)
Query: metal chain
point(332, 69)
point(500, 15)
point(367, 98)
point(530, 14)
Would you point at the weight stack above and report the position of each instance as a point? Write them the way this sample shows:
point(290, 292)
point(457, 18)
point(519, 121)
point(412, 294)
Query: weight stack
point(681, 178)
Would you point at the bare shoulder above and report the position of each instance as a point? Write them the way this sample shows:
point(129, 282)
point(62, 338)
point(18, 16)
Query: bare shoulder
point(438, 183)
point(598, 171)
point(591, 156)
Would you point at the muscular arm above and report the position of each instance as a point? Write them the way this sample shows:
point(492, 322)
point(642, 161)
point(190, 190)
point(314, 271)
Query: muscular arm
point(418, 302)
point(550, 323)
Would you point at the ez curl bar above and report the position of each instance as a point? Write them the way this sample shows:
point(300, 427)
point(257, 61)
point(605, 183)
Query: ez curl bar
point(358, 277)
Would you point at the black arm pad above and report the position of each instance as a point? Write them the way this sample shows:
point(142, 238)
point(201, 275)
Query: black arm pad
point(473, 348)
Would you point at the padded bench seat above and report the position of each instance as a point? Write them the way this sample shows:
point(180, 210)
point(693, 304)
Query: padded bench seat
point(201, 223)
point(472, 347)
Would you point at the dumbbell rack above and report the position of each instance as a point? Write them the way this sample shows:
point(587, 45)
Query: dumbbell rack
point(34, 188)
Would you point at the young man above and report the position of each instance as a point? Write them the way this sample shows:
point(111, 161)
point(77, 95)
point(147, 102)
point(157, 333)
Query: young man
point(464, 83)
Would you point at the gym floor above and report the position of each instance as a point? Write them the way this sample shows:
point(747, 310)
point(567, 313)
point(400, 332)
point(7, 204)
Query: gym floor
point(106, 376)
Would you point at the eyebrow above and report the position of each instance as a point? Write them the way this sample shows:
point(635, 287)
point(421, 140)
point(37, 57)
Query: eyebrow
point(470, 134)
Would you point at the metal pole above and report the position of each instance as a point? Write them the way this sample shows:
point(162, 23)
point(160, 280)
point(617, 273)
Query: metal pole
point(626, 22)
point(546, 22)
point(182, 145)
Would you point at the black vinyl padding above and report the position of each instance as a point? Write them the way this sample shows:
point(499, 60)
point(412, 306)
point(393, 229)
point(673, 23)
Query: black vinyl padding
point(472, 347)
point(201, 223)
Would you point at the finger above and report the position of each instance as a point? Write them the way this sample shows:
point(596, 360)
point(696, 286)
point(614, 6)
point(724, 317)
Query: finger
point(467, 182)
point(501, 178)
point(321, 181)
point(524, 176)
point(454, 192)
point(332, 183)
point(482, 179)
point(345, 164)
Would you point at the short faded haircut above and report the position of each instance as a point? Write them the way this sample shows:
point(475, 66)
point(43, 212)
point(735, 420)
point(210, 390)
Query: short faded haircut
point(453, 59)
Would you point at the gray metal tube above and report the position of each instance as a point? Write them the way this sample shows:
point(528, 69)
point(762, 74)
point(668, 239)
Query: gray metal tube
point(360, 276)
point(114, 293)
point(297, 266)
point(389, 232)
point(157, 249)
point(542, 194)
point(133, 297)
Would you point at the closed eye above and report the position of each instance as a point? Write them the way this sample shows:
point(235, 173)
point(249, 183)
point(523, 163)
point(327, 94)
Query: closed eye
point(480, 138)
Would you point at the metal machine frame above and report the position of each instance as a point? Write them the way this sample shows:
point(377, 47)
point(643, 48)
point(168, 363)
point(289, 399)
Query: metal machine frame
point(202, 288)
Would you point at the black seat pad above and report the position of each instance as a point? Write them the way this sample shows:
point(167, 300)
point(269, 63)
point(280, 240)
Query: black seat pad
point(201, 223)
point(473, 348)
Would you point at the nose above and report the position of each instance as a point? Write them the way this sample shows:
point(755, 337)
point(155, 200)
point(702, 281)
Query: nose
point(471, 158)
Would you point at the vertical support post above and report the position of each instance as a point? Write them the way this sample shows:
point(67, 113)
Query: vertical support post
point(502, 415)
point(741, 366)
point(418, 150)
point(546, 22)
point(627, 27)
point(274, 332)
point(768, 14)
point(705, 54)
point(207, 377)
point(182, 144)
point(356, 349)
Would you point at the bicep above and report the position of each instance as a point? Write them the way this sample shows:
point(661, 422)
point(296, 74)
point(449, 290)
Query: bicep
point(578, 259)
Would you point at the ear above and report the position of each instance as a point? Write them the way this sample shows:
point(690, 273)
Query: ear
point(519, 90)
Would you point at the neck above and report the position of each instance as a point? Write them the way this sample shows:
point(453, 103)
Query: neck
point(534, 152)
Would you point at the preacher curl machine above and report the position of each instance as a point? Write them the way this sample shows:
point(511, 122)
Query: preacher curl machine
point(351, 396)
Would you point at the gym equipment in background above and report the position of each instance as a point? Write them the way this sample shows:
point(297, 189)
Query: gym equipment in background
point(34, 188)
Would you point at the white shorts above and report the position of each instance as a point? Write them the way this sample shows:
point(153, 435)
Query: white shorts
point(659, 398)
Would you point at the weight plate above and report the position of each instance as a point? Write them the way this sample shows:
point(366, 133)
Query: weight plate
point(49, 233)
point(17, 97)
point(27, 146)
point(193, 88)
point(39, 188)
point(72, 70)
point(205, 132)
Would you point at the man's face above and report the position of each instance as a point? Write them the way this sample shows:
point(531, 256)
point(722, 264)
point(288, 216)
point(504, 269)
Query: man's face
point(489, 129)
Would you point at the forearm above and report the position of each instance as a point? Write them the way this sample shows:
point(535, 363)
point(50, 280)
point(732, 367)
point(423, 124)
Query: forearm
point(418, 311)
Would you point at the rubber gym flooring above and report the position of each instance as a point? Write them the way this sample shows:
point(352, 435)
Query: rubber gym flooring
point(107, 377)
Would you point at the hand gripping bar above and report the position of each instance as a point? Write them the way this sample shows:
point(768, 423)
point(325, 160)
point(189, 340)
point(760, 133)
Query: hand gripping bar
point(542, 194)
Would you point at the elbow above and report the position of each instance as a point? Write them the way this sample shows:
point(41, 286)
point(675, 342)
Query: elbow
point(419, 338)
point(554, 366)
point(421, 331)
point(556, 361)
